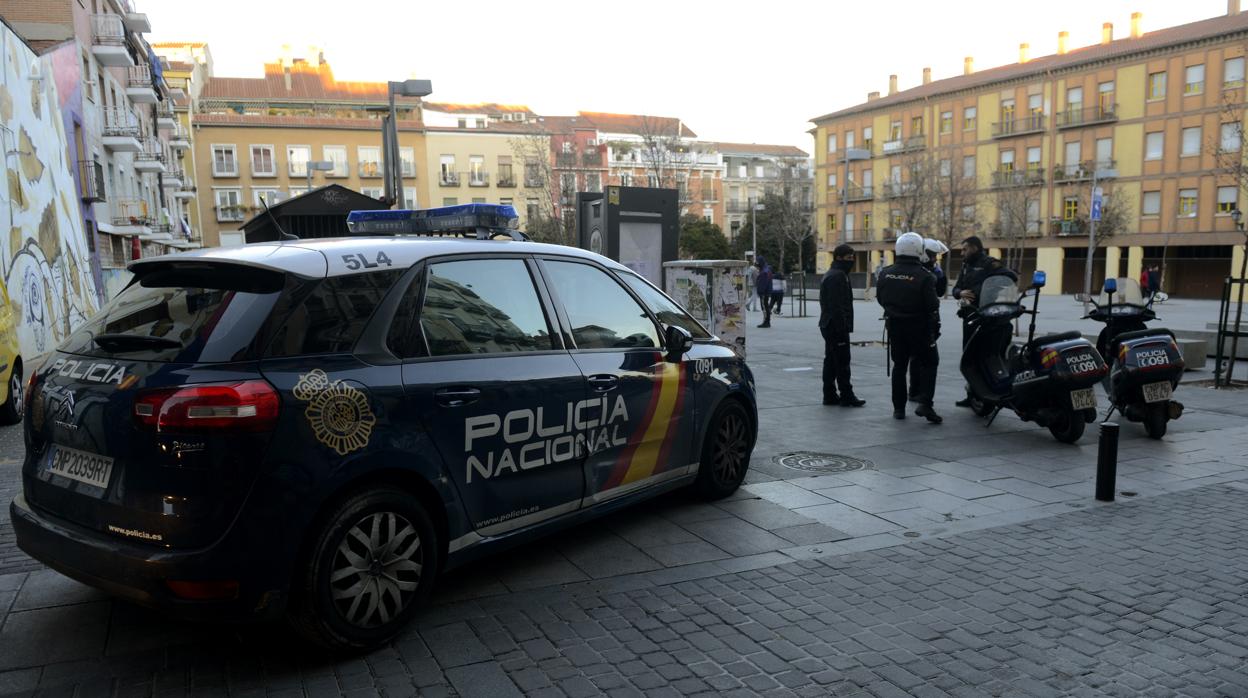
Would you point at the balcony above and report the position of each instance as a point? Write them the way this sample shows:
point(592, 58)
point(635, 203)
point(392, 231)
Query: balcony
point(1030, 177)
point(108, 42)
point(231, 213)
point(165, 120)
point(1080, 172)
point(478, 179)
point(449, 179)
point(188, 190)
point(137, 22)
point(593, 159)
point(906, 145)
point(151, 158)
point(565, 160)
point(860, 235)
point(172, 179)
point(139, 86)
point(91, 181)
point(179, 140)
point(1077, 227)
point(857, 192)
point(895, 190)
point(130, 212)
point(533, 181)
point(1034, 123)
point(1100, 114)
point(506, 180)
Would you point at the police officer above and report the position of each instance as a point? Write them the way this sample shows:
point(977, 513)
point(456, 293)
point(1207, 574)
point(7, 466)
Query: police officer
point(908, 293)
point(976, 266)
point(836, 321)
point(932, 250)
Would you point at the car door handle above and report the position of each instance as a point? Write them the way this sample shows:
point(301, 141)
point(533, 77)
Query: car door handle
point(604, 382)
point(457, 397)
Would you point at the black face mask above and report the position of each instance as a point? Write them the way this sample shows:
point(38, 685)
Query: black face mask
point(843, 264)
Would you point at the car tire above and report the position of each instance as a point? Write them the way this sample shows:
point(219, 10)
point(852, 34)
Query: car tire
point(11, 411)
point(726, 452)
point(354, 591)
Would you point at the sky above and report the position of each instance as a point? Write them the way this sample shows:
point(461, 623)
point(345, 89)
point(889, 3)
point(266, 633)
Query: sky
point(733, 71)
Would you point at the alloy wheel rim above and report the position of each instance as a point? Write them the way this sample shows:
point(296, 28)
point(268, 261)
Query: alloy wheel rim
point(15, 389)
point(731, 448)
point(376, 570)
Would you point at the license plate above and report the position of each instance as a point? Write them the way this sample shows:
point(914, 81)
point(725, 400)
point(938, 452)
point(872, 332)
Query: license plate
point(1083, 399)
point(81, 466)
point(1158, 392)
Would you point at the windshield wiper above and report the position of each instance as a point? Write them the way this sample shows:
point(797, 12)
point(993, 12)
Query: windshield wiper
point(130, 342)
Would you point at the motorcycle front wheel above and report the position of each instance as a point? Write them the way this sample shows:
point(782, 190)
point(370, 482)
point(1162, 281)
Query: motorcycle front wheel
point(1068, 426)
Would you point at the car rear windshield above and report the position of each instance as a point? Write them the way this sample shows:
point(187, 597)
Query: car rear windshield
point(194, 313)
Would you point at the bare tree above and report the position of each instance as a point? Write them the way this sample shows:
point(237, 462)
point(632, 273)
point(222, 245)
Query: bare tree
point(1018, 210)
point(955, 193)
point(662, 151)
point(544, 214)
point(914, 191)
point(792, 197)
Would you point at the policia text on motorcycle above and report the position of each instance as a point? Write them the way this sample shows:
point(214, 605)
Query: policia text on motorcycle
point(907, 291)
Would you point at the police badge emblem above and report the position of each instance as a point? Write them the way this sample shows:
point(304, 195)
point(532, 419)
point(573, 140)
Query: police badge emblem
point(338, 413)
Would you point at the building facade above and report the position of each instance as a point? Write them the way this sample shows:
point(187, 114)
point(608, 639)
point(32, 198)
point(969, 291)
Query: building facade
point(255, 137)
point(752, 171)
point(1010, 154)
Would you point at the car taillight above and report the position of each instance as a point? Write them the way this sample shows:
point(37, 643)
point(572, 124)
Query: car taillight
point(247, 406)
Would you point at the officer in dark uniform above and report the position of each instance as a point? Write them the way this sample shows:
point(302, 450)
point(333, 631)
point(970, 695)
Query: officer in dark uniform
point(836, 321)
point(976, 266)
point(932, 250)
point(908, 293)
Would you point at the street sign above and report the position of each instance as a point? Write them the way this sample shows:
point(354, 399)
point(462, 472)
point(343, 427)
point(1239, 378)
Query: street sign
point(1096, 204)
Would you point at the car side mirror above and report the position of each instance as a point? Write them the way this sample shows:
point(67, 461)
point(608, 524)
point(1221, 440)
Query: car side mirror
point(677, 341)
point(1083, 297)
point(1039, 279)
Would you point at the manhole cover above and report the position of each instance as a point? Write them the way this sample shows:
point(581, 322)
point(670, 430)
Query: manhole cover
point(823, 462)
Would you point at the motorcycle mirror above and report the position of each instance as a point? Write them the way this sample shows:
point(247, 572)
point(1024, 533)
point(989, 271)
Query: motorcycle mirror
point(1084, 297)
point(1111, 285)
point(1038, 279)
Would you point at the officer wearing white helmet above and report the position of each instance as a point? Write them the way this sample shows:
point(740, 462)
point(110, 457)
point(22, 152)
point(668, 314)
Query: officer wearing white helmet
point(907, 292)
point(932, 250)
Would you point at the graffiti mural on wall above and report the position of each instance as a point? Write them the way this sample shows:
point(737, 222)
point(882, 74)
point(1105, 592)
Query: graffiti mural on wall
point(44, 261)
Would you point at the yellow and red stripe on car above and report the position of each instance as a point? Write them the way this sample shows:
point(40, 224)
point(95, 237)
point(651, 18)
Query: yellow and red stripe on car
point(648, 455)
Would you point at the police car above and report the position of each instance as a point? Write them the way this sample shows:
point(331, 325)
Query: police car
point(319, 428)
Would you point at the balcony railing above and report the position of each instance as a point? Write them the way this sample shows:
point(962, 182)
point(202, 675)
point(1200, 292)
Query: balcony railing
point(231, 213)
point(91, 178)
point(893, 190)
point(857, 192)
point(1076, 227)
point(532, 181)
point(478, 179)
point(505, 181)
point(1034, 123)
point(152, 149)
point(593, 159)
point(449, 179)
point(1080, 172)
point(370, 169)
point(565, 160)
point(1099, 114)
point(130, 212)
point(120, 122)
point(904, 145)
point(108, 30)
point(1031, 177)
point(140, 76)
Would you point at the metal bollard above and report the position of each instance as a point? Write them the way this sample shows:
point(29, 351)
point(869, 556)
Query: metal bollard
point(1107, 462)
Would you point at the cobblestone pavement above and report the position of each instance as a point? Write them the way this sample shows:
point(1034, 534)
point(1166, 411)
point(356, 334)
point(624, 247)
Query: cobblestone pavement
point(1139, 598)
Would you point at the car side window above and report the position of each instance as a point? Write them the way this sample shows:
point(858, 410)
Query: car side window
point(483, 306)
point(403, 337)
point(602, 313)
point(333, 315)
point(664, 308)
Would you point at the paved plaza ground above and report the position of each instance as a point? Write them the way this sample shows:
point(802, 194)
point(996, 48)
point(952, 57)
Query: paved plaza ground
point(934, 560)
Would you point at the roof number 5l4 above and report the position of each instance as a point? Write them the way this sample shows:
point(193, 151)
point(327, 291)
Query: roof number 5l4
point(355, 262)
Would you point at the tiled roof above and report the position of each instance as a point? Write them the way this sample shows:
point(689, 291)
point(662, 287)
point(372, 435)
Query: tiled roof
point(267, 121)
point(760, 149)
point(566, 124)
point(481, 108)
point(637, 124)
point(308, 82)
point(1120, 48)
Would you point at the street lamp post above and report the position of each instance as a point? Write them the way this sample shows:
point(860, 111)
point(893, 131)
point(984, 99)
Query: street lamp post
point(1093, 216)
point(318, 165)
point(390, 135)
point(754, 208)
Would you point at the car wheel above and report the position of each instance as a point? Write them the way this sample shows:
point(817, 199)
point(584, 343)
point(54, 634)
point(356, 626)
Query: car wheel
point(11, 410)
point(370, 568)
point(725, 452)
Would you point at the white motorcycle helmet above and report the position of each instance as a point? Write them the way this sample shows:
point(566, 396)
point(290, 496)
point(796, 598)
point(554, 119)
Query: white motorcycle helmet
point(932, 249)
point(909, 245)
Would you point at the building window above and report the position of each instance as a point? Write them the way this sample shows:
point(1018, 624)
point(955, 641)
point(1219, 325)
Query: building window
point(593, 182)
point(866, 221)
point(262, 162)
point(832, 222)
point(407, 162)
point(1194, 81)
point(895, 218)
point(759, 171)
point(224, 161)
point(1231, 137)
point(969, 118)
point(652, 181)
point(1151, 204)
point(831, 142)
point(946, 167)
point(1191, 141)
point(266, 196)
point(532, 211)
point(626, 179)
point(1007, 112)
point(1227, 197)
point(968, 166)
point(505, 176)
point(373, 192)
point(298, 191)
point(708, 215)
point(567, 147)
point(478, 199)
point(849, 139)
point(968, 213)
point(370, 160)
point(849, 225)
point(336, 154)
point(1156, 86)
point(831, 180)
point(1070, 208)
point(916, 126)
point(867, 133)
point(1104, 153)
point(1154, 143)
point(1035, 108)
point(1187, 203)
point(1033, 159)
point(450, 201)
point(1007, 160)
point(567, 185)
point(1074, 99)
point(894, 131)
point(297, 157)
point(477, 176)
point(446, 170)
point(1233, 73)
point(946, 122)
point(1105, 97)
point(229, 204)
point(1074, 157)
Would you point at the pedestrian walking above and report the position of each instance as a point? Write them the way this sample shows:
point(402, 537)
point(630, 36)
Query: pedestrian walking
point(751, 278)
point(777, 292)
point(1154, 280)
point(836, 322)
point(907, 292)
point(977, 265)
point(762, 286)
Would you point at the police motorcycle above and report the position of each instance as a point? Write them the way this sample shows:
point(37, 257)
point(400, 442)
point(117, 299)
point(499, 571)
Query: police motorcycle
point(1145, 364)
point(1049, 380)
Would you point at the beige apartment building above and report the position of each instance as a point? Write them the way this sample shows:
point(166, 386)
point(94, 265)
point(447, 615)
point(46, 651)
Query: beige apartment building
point(1146, 114)
point(752, 171)
point(254, 137)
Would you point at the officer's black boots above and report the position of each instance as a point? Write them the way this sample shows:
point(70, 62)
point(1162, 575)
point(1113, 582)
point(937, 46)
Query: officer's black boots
point(926, 412)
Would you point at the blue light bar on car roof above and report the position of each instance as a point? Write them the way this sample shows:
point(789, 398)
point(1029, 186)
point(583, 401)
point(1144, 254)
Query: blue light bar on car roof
point(465, 218)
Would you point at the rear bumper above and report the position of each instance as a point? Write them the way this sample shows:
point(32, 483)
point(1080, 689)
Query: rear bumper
point(139, 573)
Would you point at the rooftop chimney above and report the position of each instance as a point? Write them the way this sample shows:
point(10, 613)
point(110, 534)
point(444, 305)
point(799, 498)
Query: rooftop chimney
point(892, 84)
point(872, 96)
point(1063, 38)
point(1136, 19)
point(1232, 7)
point(286, 72)
point(1022, 52)
point(968, 65)
point(927, 75)
point(1107, 32)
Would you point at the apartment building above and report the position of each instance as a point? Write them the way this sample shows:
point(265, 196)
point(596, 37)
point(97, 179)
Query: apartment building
point(752, 171)
point(1144, 113)
point(254, 140)
point(118, 118)
point(578, 159)
point(186, 68)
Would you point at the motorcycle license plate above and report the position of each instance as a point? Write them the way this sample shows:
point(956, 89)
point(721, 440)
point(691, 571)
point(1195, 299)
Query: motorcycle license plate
point(1158, 392)
point(1083, 399)
point(82, 466)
